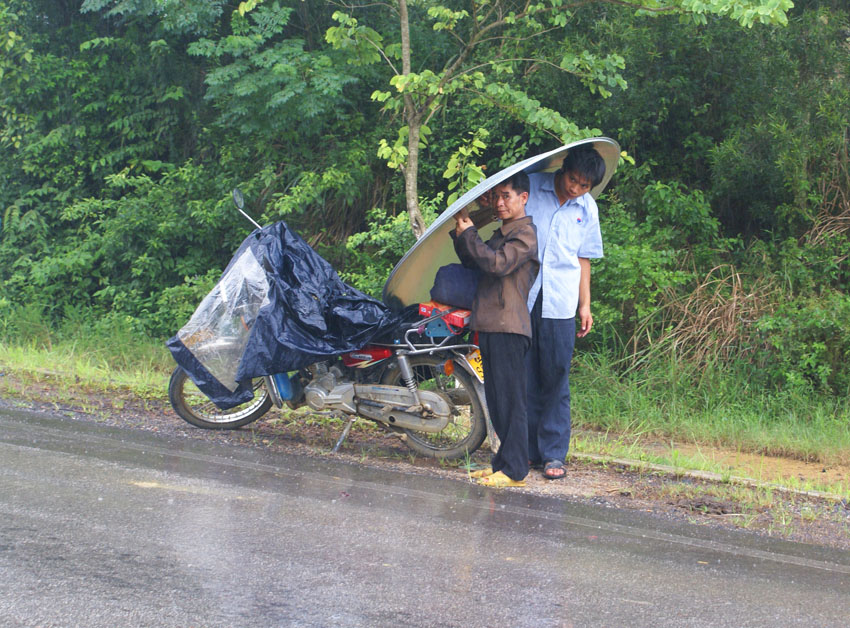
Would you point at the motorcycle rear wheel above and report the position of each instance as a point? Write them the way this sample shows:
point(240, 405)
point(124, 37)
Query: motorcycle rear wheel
point(466, 429)
point(194, 407)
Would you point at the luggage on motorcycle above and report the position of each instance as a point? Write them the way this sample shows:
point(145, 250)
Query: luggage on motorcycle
point(455, 284)
point(452, 320)
point(278, 306)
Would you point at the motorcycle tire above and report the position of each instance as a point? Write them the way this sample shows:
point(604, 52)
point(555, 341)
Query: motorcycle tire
point(192, 405)
point(466, 429)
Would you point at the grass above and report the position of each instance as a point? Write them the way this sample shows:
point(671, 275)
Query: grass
point(669, 402)
point(70, 365)
point(750, 507)
point(616, 447)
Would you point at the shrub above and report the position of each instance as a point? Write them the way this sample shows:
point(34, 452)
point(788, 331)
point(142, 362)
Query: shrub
point(806, 343)
point(651, 248)
point(373, 254)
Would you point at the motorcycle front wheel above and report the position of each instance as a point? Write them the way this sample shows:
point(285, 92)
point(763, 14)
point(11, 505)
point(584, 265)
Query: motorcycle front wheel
point(466, 428)
point(194, 407)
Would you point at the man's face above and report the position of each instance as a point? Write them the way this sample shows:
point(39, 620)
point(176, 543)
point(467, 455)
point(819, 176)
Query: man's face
point(509, 205)
point(574, 185)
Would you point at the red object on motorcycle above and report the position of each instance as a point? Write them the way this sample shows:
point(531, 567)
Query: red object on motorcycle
point(454, 317)
point(366, 356)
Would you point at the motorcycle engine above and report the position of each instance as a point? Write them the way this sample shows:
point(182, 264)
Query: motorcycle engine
point(326, 391)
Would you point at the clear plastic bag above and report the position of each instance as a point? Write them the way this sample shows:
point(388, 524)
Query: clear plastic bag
point(218, 330)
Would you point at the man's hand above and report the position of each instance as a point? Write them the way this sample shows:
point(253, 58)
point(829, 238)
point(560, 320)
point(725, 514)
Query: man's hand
point(585, 321)
point(462, 221)
point(584, 315)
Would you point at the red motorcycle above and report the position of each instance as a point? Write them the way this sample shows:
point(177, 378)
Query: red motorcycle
point(280, 328)
point(422, 382)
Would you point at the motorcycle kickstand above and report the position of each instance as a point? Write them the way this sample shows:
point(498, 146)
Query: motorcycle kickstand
point(344, 434)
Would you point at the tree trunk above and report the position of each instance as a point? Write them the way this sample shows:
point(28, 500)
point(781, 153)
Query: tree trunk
point(411, 183)
point(414, 123)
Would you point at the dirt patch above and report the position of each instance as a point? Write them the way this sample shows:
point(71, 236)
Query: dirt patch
point(763, 510)
point(757, 466)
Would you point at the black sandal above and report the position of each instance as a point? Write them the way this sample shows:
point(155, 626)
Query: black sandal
point(552, 465)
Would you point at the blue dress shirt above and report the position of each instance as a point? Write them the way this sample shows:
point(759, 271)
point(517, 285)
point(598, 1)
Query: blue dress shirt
point(564, 234)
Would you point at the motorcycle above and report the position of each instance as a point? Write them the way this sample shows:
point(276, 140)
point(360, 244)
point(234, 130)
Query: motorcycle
point(421, 379)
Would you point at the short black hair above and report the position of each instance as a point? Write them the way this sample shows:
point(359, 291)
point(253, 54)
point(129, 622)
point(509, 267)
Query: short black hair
point(586, 161)
point(519, 182)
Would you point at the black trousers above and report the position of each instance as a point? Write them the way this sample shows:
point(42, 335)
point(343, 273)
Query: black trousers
point(505, 385)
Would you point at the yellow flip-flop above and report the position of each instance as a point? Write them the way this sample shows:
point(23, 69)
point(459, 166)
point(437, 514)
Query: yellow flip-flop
point(499, 480)
point(481, 473)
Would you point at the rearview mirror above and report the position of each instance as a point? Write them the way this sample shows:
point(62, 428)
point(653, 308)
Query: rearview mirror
point(238, 199)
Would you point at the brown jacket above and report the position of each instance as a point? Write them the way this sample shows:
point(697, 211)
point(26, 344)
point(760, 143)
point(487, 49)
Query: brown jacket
point(509, 265)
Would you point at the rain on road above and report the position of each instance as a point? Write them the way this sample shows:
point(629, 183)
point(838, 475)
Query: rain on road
point(104, 526)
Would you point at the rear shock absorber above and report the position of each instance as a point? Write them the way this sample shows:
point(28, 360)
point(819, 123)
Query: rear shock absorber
point(407, 376)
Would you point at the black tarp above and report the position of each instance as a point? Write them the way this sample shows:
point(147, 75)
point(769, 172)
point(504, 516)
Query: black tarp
point(278, 306)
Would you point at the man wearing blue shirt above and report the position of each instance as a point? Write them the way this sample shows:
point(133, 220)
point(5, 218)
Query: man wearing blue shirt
point(568, 236)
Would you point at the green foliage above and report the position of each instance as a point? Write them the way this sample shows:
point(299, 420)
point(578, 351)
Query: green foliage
point(395, 154)
point(25, 323)
point(682, 216)
point(794, 137)
point(360, 44)
point(15, 63)
point(172, 16)
point(745, 12)
point(806, 266)
point(175, 304)
point(596, 74)
point(265, 83)
point(716, 404)
point(473, 56)
point(651, 249)
point(543, 119)
point(643, 272)
point(806, 344)
point(125, 123)
point(110, 342)
point(372, 254)
point(463, 171)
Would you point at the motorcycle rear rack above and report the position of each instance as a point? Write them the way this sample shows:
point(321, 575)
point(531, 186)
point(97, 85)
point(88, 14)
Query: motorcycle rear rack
point(445, 343)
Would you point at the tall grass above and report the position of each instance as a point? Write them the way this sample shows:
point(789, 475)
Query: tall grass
point(100, 353)
point(751, 360)
point(710, 404)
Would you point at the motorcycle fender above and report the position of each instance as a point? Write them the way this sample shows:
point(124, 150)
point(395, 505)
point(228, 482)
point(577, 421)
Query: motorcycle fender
point(464, 362)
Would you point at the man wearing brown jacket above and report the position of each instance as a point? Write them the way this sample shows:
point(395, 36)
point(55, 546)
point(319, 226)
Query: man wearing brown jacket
point(509, 264)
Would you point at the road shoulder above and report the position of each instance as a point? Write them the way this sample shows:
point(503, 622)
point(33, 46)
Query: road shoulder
point(670, 494)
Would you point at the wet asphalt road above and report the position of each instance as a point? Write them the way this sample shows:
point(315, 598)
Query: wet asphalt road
point(101, 526)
